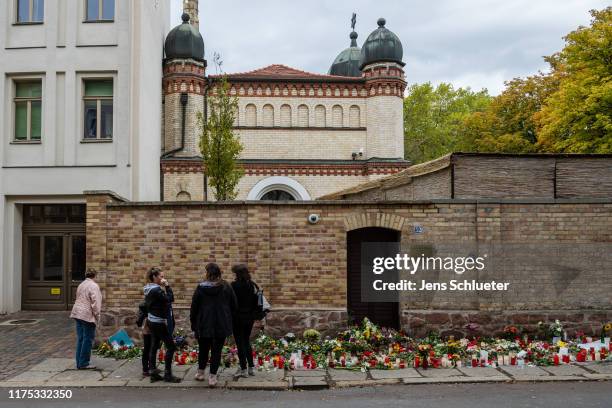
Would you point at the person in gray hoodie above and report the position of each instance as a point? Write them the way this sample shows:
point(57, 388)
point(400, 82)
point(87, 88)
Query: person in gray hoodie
point(212, 307)
point(158, 297)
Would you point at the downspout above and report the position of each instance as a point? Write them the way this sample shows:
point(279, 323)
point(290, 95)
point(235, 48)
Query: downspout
point(206, 88)
point(184, 99)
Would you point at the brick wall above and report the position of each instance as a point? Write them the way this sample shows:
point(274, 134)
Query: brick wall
point(303, 267)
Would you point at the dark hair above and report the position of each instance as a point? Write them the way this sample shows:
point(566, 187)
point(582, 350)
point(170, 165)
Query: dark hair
point(153, 272)
point(242, 272)
point(91, 273)
point(213, 272)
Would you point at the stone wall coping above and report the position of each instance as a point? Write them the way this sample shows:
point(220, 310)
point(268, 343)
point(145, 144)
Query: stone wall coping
point(316, 203)
point(109, 193)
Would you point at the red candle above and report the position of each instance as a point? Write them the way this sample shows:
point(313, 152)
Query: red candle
point(281, 362)
point(512, 360)
point(260, 361)
point(566, 358)
point(436, 362)
point(474, 362)
point(556, 359)
point(402, 364)
point(417, 361)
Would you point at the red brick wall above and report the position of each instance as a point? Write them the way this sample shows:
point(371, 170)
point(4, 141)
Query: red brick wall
point(302, 267)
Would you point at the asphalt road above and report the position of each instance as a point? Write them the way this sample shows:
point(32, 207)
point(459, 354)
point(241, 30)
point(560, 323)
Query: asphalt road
point(554, 395)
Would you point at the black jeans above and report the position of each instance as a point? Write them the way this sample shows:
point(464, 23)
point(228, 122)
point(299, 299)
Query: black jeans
point(159, 333)
point(146, 351)
point(242, 335)
point(215, 346)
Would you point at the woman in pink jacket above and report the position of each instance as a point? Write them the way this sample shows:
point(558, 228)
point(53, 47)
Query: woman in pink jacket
point(86, 313)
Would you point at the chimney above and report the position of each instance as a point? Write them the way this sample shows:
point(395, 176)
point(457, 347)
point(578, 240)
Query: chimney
point(191, 7)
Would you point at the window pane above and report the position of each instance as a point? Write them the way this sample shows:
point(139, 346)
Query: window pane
point(90, 119)
point(77, 213)
point(33, 258)
point(78, 258)
point(54, 259)
point(38, 10)
point(99, 88)
point(21, 120)
point(106, 126)
point(32, 214)
point(28, 89)
point(108, 9)
point(35, 120)
point(92, 10)
point(55, 214)
point(23, 11)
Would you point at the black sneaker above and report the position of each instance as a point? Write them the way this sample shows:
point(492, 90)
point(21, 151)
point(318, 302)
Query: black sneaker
point(155, 377)
point(172, 379)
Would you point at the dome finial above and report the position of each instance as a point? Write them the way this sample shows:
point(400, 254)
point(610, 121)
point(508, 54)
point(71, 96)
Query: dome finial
point(185, 18)
point(353, 37)
point(381, 22)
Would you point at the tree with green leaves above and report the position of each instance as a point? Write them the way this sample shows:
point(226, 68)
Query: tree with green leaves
point(577, 117)
point(434, 116)
point(219, 145)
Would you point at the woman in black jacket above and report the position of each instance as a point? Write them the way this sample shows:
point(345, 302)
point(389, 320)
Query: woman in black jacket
point(246, 293)
point(212, 307)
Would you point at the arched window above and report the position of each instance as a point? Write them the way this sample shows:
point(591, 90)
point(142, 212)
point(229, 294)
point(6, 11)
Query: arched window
point(278, 195)
point(183, 196)
point(278, 188)
point(337, 116)
point(285, 115)
point(250, 115)
point(268, 115)
point(320, 116)
point(354, 116)
point(303, 116)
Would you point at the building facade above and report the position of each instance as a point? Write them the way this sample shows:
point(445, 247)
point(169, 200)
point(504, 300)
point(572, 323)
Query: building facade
point(304, 134)
point(77, 112)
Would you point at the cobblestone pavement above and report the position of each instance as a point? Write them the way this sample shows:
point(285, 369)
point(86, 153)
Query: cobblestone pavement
point(21, 347)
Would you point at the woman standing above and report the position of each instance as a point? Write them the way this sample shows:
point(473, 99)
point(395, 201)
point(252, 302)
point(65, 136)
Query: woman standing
point(246, 293)
point(212, 307)
point(86, 313)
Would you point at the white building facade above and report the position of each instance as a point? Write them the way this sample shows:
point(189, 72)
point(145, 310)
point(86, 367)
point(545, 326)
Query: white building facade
point(77, 112)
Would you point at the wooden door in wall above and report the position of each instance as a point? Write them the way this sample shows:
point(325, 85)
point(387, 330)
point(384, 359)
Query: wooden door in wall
point(53, 260)
point(381, 313)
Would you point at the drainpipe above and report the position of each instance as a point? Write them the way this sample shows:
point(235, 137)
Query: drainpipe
point(184, 99)
point(206, 88)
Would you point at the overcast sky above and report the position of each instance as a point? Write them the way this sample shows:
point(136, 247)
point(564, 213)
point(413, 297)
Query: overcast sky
point(476, 43)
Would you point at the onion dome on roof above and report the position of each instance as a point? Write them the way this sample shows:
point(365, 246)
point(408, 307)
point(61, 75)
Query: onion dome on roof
point(347, 62)
point(184, 41)
point(381, 45)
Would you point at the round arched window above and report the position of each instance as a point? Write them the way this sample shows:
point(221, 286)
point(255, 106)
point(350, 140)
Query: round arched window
point(278, 195)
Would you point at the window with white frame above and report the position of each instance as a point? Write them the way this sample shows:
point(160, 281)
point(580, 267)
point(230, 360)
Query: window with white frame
point(28, 110)
point(30, 11)
point(99, 10)
point(98, 109)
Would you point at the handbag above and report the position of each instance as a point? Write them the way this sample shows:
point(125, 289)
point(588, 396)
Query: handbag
point(263, 307)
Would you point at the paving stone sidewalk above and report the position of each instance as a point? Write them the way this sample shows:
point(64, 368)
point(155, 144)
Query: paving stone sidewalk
point(60, 372)
point(24, 346)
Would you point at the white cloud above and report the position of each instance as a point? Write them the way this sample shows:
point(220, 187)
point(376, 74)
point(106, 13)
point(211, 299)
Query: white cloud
point(477, 43)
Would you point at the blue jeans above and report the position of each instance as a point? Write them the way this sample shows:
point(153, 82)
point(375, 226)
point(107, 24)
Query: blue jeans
point(85, 337)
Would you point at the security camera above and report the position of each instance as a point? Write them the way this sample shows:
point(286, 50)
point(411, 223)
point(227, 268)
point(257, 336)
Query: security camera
point(314, 218)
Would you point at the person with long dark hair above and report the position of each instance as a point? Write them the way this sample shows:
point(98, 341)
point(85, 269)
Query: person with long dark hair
point(212, 307)
point(246, 294)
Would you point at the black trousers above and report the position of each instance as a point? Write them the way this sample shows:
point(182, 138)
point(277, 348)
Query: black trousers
point(159, 333)
point(215, 347)
point(146, 351)
point(242, 335)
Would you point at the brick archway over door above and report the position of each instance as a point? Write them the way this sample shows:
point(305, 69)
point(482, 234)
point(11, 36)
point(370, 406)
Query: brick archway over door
point(382, 220)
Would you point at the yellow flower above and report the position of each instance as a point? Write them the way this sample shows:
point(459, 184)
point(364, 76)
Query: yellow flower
point(608, 327)
point(561, 343)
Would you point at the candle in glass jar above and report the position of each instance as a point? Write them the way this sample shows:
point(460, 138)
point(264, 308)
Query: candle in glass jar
point(506, 359)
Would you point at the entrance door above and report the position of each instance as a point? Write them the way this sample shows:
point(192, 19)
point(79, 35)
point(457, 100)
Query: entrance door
point(53, 261)
point(381, 313)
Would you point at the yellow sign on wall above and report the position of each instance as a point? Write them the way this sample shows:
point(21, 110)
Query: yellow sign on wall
point(56, 291)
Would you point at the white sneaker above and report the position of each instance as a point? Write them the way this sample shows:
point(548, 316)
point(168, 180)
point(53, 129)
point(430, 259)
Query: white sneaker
point(212, 380)
point(199, 375)
point(251, 371)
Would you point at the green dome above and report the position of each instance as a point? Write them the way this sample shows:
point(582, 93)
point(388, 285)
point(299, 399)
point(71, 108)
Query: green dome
point(381, 46)
point(347, 62)
point(184, 41)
